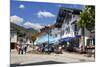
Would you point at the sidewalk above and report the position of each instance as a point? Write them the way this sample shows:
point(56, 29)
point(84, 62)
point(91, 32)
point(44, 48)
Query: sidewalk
point(38, 59)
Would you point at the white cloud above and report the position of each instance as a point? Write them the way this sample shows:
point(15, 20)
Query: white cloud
point(16, 19)
point(45, 14)
point(59, 5)
point(21, 6)
point(35, 26)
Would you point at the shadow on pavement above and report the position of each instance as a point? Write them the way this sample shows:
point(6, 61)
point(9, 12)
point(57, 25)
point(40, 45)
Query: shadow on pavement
point(38, 63)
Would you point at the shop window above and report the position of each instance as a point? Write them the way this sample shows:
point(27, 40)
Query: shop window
point(89, 42)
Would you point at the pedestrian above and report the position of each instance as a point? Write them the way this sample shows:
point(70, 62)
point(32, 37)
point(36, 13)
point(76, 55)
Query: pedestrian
point(25, 48)
point(18, 47)
point(60, 49)
point(36, 48)
point(22, 47)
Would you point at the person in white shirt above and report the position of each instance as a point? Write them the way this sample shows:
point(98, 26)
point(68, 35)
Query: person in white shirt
point(18, 47)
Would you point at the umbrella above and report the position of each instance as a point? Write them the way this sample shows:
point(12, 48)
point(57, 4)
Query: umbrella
point(45, 38)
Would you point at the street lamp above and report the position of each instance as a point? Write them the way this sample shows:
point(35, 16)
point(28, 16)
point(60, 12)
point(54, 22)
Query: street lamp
point(48, 35)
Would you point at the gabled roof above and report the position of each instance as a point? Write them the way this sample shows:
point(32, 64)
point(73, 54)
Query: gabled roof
point(72, 10)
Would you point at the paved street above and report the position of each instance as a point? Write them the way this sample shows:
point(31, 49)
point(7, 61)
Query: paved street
point(41, 59)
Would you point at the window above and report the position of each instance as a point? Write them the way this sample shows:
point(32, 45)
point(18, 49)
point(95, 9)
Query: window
point(68, 18)
point(68, 29)
point(89, 42)
point(75, 28)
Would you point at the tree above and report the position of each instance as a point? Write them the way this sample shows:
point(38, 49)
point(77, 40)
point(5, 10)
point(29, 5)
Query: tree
point(34, 36)
point(87, 20)
point(91, 18)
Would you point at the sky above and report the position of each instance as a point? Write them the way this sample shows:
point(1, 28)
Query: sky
point(36, 14)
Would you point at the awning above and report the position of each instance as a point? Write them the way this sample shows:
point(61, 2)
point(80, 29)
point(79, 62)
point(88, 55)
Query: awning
point(67, 39)
point(78, 36)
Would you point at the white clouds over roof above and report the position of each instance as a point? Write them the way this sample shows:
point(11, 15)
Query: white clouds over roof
point(35, 26)
point(16, 19)
point(45, 14)
point(21, 6)
point(19, 21)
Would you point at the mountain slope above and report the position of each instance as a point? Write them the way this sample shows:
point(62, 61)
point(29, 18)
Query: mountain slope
point(15, 27)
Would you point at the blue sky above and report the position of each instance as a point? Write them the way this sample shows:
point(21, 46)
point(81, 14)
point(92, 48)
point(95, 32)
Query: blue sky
point(27, 13)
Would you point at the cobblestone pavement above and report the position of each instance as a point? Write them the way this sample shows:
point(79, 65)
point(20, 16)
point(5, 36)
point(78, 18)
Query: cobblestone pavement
point(41, 59)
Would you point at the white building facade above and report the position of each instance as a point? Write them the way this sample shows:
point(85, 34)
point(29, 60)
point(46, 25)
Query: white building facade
point(67, 24)
point(13, 39)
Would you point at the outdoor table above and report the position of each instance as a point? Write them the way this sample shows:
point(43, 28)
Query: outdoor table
point(90, 50)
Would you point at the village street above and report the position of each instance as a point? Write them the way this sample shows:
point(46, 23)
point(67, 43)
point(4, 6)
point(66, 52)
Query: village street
point(41, 59)
point(50, 31)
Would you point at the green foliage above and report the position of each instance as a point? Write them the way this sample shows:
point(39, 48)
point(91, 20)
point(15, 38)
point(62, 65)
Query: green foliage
point(34, 36)
point(87, 18)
